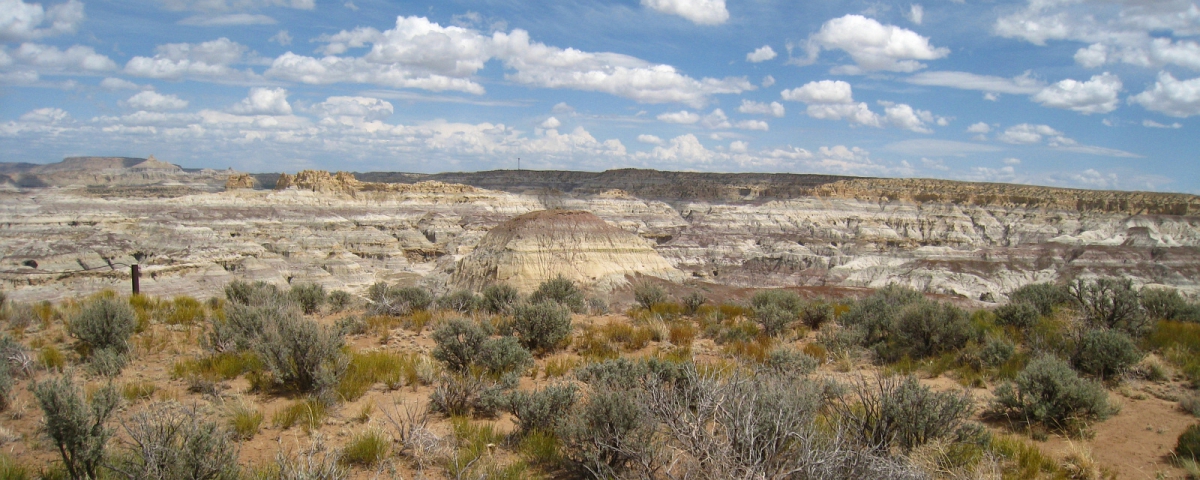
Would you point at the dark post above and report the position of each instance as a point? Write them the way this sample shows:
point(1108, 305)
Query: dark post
point(136, 272)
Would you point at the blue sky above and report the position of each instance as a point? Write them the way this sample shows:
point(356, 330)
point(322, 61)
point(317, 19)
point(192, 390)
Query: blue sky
point(1093, 94)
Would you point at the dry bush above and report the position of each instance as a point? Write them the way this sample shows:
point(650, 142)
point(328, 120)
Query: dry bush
point(77, 426)
point(170, 441)
point(900, 412)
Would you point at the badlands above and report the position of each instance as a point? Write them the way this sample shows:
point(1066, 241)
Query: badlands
point(75, 227)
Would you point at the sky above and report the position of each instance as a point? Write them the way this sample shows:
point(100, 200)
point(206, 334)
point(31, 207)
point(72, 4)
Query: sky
point(1073, 93)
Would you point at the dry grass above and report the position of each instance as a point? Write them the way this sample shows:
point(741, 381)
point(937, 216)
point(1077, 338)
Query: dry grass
point(366, 448)
point(138, 390)
point(243, 418)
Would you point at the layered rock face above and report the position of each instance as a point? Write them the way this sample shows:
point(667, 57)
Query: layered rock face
point(537, 246)
point(113, 175)
point(977, 241)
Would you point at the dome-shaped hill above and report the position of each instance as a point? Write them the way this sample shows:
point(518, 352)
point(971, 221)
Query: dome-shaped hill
point(531, 248)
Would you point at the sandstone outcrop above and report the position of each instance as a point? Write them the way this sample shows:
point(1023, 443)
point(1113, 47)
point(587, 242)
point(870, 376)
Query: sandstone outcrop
point(977, 241)
point(537, 246)
point(240, 180)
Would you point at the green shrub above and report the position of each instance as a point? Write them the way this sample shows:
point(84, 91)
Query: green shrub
point(541, 410)
point(994, 352)
point(1188, 444)
point(561, 291)
point(1020, 315)
point(393, 301)
point(1167, 304)
point(461, 301)
point(171, 441)
point(1110, 303)
point(789, 361)
point(926, 329)
point(1050, 393)
point(310, 297)
point(647, 294)
point(816, 313)
point(75, 425)
point(873, 317)
point(625, 374)
point(774, 319)
point(243, 325)
point(301, 355)
point(1043, 296)
point(22, 315)
point(784, 299)
point(104, 323)
point(607, 435)
point(500, 298)
point(542, 327)
point(503, 355)
point(890, 411)
point(458, 343)
point(693, 301)
point(339, 301)
point(241, 292)
point(1105, 353)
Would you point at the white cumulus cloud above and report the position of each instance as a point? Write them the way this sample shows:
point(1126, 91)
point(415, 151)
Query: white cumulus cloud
point(701, 12)
point(1097, 95)
point(1177, 98)
point(683, 116)
point(210, 60)
point(761, 54)
point(1153, 124)
point(235, 5)
point(1023, 84)
point(551, 123)
point(822, 91)
point(263, 101)
point(1026, 134)
point(154, 101)
point(980, 127)
point(29, 21)
point(112, 83)
point(227, 20)
point(650, 139)
point(915, 14)
point(774, 109)
point(367, 108)
point(872, 45)
point(76, 59)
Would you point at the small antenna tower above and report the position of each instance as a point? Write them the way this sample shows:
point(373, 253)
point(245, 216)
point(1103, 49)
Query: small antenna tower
point(518, 164)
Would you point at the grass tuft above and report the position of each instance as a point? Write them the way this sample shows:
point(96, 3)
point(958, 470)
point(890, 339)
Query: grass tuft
point(366, 448)
point(308, 413)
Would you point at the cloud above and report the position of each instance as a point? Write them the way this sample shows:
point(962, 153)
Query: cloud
point(77, 59)
point(1031, 134)
point(980, 127)
point(915, 14)
point(1097, 95)
point(539, 65)
point(551, 123)
point(1153, 124)
point(716, 120)
point(872, 45)
point(154, 101)
point(29, 21)
point(211, 61)
point(928, 147)
point(418, 53)
point(232, 19)
point(857, 113)
point(366, 108)
point(235, 5)
point(762, 54)
point(774, 109)
point(904, 116)
point(823, 91)
point(752, 125)
point(700, 12)
point(738, 146)
point(1171, 97)
point(650, 139)
point(683, 117)
point(46, 115)
point(1026, 134)
point(1011, 161)
point(768, 81)
point(263, 101)
point(1022, 84)
point(111, 83)
point(283, 38)
point(1145, 34)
